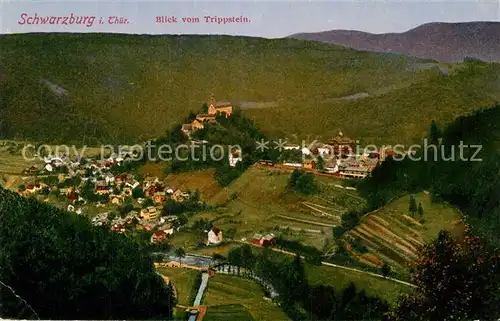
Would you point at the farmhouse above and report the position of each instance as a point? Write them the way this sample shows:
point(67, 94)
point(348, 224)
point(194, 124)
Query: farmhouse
point(33, 188)
point(158, 236)
point(309, 164)
point(214, 236)
point(263, 241)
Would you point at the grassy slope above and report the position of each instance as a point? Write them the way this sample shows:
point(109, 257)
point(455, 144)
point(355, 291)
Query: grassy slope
point(203, 181)
point(226, 289)
point(183, 280)
point(394, 238)
point(228, 312)
point(125, 87)
point(264, 203)
point(339, 278)
point(396, 117)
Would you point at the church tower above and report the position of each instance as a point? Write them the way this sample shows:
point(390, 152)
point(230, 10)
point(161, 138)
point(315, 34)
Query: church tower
point(211, 106)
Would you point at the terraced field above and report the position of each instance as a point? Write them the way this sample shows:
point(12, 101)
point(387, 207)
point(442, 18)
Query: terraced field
point(394, 237)
point(242, 298)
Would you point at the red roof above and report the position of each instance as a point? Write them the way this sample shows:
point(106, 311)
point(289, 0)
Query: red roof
point(159, 233)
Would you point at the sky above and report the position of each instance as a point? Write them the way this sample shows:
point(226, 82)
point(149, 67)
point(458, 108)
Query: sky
point(269, 19)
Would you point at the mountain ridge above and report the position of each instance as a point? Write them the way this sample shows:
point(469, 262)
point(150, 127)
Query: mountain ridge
point(442, 41)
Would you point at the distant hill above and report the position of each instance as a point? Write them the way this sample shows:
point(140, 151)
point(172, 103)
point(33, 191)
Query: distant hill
point(113, 88)
point(99, 88)
point(447, 42)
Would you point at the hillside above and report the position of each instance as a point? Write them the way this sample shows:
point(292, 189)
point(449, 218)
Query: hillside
point(398, 116)
point(392, 235)
point(447, 42)
point(68, 269)
point(100, 88)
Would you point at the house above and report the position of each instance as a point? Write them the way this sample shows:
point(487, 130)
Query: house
point(70, 208)
point(127, 190)
point(72, 196)
point(214, 236)
point(117, 200)
point(266, 162)
point(160, 197)
point(132, 184)
point(167, 228)
point(109, 178)
point(151, 180)
point(206, 119)
point(151, 190)
point(158, 236)
point(196, 125)
point(234, 158)
point(122, 178)
point(34, 188)
point(263, 241)
point(149, 213)
point(120, 228)
point(296, 165)
point(323, 150)
point(291, 147)
point(102, 190)
point(309, 164)
point(354, 172)
point(331, 168)
point(342, 144)
point(187, 129)
point(180, 196)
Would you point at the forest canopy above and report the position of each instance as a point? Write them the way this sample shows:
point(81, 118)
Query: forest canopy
point(62, 267)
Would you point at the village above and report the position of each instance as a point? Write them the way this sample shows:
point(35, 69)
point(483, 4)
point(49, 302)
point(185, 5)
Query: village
point(125, 201)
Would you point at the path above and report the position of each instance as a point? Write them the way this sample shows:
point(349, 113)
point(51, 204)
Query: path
point(305, 221)
point(199, 296)
point(342, 267)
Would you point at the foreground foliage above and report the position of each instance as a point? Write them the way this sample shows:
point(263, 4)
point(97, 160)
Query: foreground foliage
point(65, 268)
point(456, 279)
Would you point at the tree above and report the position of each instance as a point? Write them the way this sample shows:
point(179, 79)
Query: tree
point(39, 260)
point(138, 193)
point(234, 257)
point(294, 177)
point(412, 207)
point(22, 188)
point(180, 254)
point(386, 270)
point(320, 163)
point(204, 108)
point(305, 184)
point(434, 134)
point(456, 280)
point(148, 202)
point(420, 210)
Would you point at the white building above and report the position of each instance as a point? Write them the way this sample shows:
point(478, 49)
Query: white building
point(214, 236)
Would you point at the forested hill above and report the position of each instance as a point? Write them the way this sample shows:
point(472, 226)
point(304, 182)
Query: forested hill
point(65, 268)
point(111, 88)
point(469, 179)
